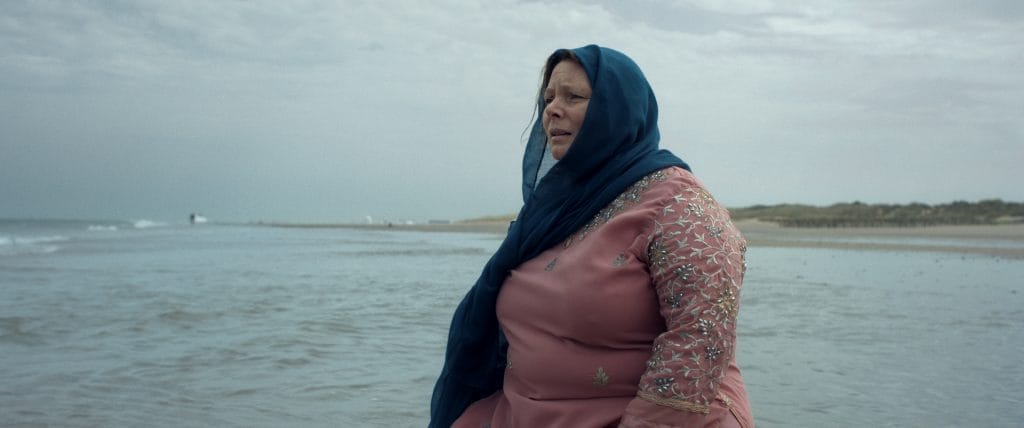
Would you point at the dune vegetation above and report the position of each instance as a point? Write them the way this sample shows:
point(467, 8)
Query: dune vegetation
point(859, 214)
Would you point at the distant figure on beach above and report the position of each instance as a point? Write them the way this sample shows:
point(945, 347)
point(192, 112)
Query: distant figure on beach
point(613, 299)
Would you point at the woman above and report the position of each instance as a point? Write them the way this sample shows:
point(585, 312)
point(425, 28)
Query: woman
point(613, 299)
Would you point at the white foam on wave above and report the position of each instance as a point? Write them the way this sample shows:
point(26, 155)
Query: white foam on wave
point(146, 224)
point(17, 245)
point(100, 228)
point(39, 240)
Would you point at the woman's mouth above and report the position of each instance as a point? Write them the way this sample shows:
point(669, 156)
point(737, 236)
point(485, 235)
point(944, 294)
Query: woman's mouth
point(556, 135)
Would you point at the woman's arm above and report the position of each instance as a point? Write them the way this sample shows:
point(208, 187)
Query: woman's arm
point(696, 260)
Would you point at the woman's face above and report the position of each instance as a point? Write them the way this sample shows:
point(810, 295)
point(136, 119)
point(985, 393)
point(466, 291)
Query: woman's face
point(565, 104)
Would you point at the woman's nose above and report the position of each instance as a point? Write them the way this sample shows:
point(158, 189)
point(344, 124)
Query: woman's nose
point(553, 109)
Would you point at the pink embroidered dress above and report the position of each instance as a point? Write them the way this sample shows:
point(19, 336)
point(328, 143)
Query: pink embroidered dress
point(630, 322)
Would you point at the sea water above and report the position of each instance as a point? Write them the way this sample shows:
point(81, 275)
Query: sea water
point(150, 324)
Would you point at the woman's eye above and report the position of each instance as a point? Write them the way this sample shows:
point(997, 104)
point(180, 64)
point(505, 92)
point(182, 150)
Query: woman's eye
point(548, 100)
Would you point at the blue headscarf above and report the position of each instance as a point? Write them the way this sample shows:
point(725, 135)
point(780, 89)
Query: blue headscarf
point(616, 146)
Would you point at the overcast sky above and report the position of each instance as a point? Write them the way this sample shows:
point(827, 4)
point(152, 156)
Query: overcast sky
point(330, 111)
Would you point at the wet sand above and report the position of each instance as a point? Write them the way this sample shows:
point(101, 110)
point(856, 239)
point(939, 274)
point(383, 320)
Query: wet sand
point(996, 240)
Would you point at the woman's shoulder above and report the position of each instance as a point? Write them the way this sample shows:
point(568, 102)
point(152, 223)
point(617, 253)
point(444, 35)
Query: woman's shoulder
point(672, 183)
point(633, 208)
point(636, 210)
point(680, 197)
point(654, 190)
point(681, 177)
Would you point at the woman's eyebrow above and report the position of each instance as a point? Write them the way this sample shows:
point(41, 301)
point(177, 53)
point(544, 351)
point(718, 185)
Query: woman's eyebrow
point(562, 86)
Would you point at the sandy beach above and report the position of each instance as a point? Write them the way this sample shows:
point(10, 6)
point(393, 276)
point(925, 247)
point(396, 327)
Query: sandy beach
point(995, 240)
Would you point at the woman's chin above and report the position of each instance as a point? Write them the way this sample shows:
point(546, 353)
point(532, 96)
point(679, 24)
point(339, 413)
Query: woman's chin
point(558, 151)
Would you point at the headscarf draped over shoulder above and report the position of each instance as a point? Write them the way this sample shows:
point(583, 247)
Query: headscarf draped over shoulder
point(616, 146)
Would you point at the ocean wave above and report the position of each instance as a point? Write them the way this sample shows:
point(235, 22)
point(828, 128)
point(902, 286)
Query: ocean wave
point(146, 224)
point(415, 252)
point(101, 228)
point(18, 245)
point(32, 240)
point(13, 330)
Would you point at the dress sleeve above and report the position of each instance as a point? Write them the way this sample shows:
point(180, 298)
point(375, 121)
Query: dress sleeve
point(696, 260)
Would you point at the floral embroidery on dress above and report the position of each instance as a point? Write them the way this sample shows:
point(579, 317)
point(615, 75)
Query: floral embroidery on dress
point(626, 199)
point(601, 377)
point(696, 259)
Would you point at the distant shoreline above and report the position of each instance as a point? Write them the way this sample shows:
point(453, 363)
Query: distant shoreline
point(989, 240)
point(458, 227)
point(768, 234)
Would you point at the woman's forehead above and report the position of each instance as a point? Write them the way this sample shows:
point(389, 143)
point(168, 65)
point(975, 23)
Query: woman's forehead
point(568, 76)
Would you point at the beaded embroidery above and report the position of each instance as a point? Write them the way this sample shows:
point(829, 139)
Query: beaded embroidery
point(696, 258)
point(601, 377)
point(621, 202)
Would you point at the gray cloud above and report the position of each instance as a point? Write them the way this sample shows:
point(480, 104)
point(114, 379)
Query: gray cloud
point(329, 111)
